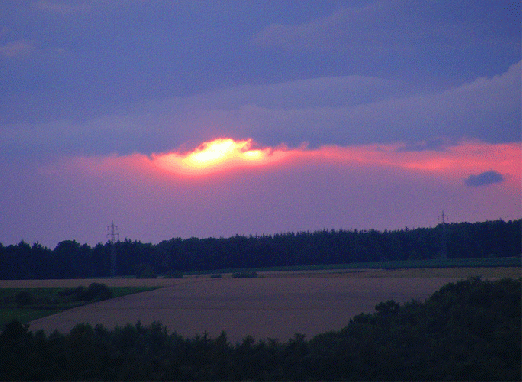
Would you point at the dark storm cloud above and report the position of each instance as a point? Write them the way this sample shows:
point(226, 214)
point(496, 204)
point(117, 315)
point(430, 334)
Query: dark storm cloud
point(484, 179)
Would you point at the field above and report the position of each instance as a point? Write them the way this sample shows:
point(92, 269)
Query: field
point(30, 303)
point(274, 305)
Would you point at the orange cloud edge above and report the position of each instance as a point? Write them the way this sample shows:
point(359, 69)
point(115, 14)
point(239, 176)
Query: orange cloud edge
point(227, 155)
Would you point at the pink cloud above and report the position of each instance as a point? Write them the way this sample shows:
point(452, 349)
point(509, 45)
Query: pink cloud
point(226, 156)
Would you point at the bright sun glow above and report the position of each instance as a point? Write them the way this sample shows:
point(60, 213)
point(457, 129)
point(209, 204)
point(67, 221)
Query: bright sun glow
point(227, 155)
point(221, 150)
point(217, 155)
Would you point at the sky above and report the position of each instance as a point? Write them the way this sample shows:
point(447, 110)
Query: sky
point(216, 118)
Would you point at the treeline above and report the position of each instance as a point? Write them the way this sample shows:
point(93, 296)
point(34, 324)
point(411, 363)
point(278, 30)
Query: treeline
point(71, 259)
point(470, 330)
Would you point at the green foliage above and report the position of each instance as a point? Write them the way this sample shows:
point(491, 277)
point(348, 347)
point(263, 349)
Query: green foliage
point(27, 304)
point(97, 292)
point(470, 330)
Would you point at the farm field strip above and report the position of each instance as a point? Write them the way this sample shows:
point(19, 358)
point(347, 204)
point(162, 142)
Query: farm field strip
point(73, 283)
point(277, 304)
point(268, 307)
point(462, 273)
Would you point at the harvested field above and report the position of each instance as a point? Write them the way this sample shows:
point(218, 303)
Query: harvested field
point(265, 307)
point(454, 273)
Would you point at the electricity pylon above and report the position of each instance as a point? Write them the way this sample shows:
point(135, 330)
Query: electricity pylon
point(112, 234)
point(444, 239)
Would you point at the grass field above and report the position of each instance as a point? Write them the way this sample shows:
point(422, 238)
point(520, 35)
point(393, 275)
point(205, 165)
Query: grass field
point(496, 262)
point(42, 302)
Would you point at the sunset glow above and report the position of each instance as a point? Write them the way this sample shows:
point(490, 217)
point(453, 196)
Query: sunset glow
point(224, 156)
point(230, 186)
point(210, 154)
point(216, 156)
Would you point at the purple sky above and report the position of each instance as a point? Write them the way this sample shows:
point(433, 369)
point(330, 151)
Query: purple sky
point(340, 114)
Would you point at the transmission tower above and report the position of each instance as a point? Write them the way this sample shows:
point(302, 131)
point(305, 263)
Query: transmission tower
point(444, 238)
point(113, 235)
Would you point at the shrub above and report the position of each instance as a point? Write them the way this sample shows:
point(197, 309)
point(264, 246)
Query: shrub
point(245, 275)
point(24, 298)
point(97, 292)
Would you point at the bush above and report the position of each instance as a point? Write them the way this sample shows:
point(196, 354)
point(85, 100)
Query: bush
point(97, 292)
point(24, 298)
point(245, 275)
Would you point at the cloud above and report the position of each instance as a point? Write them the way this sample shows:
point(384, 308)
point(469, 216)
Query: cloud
point(484, 179)
point(62, 8)
point(17, 49)
point(351, 110)
point(226, 156)
point(307, 93)
point(400, 27)
point(487, 109)
point(344, 29)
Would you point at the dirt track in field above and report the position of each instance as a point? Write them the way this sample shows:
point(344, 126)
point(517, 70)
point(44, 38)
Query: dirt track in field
point(276, 305)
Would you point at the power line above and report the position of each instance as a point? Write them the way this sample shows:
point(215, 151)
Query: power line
point(444, 238)
point(112, 234)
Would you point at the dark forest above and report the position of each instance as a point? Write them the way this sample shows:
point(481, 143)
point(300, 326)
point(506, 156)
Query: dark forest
point(70, 259)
